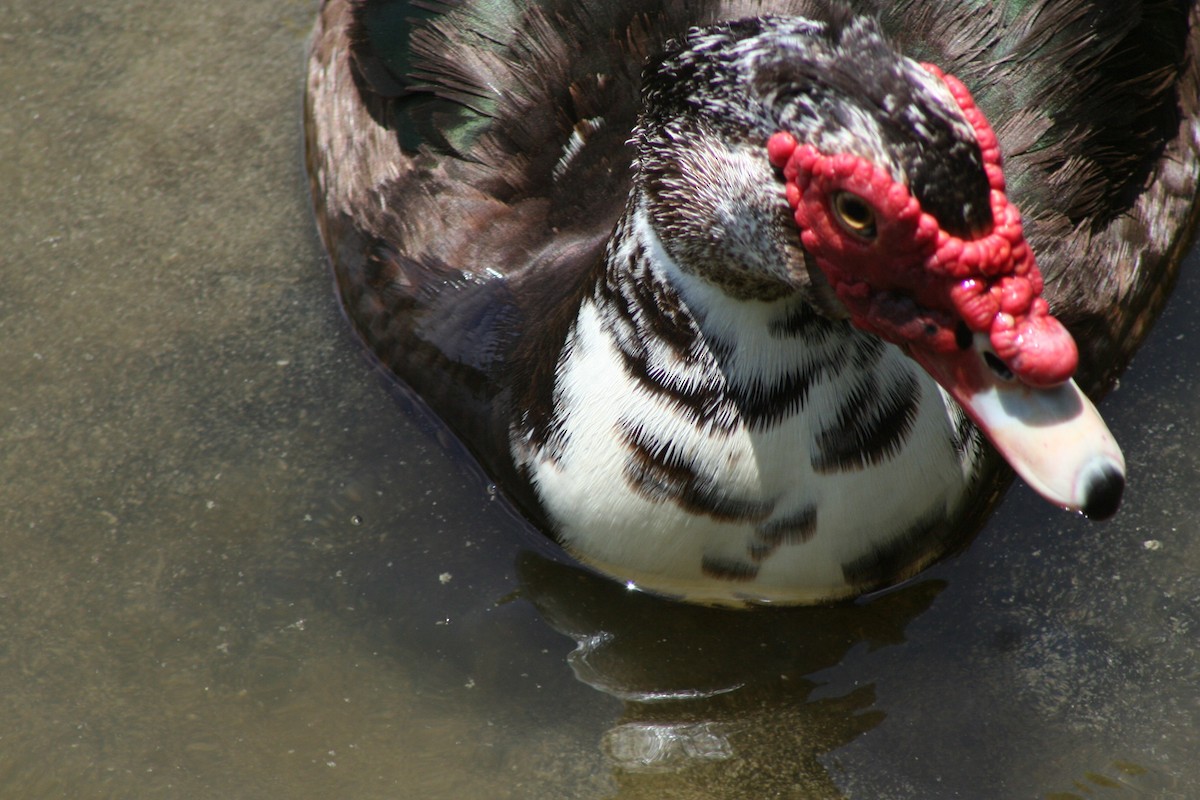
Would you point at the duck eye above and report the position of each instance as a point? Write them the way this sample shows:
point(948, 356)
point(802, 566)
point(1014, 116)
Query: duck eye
point(854, 214)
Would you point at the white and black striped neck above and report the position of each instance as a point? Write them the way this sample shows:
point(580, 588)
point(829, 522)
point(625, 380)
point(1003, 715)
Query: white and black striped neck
point(730, 449)
point(731, 361)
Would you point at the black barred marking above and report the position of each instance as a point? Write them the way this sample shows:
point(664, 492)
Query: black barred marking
point(660, 475)
point(965, 437)
point(802, 320)
point(867, 351)
point(796, 528)
point(760, 552)
point(661, 346)
point(871, 426)
point(728, 569)
point(763, 407)
point(705, 402)
point(713, 403)
point(829, 355)
point(644, 309)
point(663, 316)
point(903, 555)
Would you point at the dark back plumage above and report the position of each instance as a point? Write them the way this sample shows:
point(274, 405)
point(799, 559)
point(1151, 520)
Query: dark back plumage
point(523, 108)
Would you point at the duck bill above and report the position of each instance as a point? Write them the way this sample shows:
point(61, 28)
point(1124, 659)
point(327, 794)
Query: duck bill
point(1053, 436)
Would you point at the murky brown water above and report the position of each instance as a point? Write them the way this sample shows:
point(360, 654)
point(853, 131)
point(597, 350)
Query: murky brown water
point(235, 565)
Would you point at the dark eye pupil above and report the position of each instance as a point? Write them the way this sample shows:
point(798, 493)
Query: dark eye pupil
point(855, 214)
point(855, 210)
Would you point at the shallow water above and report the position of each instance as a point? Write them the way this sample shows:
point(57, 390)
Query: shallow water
point(237, 565)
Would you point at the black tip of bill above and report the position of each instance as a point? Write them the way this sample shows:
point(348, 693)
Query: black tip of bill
point(1102, 491)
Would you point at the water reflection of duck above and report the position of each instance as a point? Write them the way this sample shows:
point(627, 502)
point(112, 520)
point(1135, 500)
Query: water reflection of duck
point(699, 297)
point(718, 697)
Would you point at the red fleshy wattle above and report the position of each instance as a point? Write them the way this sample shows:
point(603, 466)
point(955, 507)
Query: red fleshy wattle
point(913, 281)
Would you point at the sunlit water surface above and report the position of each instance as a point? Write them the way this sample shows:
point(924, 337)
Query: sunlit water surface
point(237, 565)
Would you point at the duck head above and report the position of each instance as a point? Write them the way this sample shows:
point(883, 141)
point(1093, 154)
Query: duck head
point(781, 156)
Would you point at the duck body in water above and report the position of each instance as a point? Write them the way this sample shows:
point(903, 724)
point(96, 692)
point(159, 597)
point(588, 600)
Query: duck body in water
point(750, 302)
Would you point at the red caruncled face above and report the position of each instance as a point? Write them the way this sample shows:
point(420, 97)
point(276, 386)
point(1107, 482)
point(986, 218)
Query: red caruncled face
point(908, 281)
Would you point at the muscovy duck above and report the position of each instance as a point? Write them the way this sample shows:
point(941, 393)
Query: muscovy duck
point(739, 300)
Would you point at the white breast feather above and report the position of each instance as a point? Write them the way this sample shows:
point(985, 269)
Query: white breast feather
point(659, 544)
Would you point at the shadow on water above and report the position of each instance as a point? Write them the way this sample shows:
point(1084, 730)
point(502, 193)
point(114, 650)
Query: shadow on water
point(723, 699)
